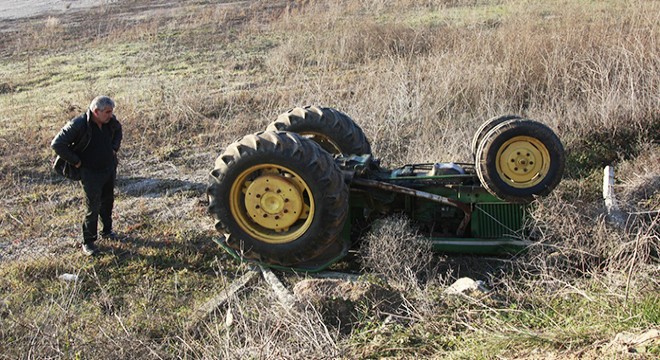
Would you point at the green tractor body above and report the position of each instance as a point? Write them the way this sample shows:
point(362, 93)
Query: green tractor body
point(448, 206)
point(295, 197)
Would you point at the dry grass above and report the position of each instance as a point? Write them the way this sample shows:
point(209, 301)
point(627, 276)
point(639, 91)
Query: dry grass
point(257, 327)
point(405, 259)
point(419, 77)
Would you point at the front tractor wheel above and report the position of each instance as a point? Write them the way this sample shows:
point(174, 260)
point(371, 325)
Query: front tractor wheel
point(520, 159)
point(485, 127)
point(281, 199)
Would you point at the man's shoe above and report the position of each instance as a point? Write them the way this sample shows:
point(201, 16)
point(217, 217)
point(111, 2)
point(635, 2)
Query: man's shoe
point(89, 249)
point(111, 235)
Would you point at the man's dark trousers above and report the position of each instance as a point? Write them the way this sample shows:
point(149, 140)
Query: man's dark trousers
point(99, 198)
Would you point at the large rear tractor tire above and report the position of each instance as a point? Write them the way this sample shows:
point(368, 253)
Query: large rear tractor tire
point(520, 159)
point(281, 199)
point(333, 130)
point(487, 126)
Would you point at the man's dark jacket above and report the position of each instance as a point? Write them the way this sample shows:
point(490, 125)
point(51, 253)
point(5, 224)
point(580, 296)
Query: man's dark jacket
point(76, 135)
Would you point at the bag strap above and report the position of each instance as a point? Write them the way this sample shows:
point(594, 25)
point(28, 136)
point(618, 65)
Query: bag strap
point(76, 148)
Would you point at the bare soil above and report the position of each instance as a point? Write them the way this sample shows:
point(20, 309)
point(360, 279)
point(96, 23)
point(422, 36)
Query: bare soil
point(17, 9)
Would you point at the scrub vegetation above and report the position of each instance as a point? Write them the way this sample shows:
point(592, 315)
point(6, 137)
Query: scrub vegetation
point(419, 77)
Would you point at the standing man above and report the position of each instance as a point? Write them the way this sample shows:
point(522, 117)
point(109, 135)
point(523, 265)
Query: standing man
point(96, 136)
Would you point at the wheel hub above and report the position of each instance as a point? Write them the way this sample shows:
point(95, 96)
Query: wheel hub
point(274, 202)
point(523, 161)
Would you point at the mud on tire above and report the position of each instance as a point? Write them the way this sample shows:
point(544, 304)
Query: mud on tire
point(281, 198)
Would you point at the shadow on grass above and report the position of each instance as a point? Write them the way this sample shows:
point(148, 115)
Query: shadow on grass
point(152, 187)
point(131, 186)
point(477, 267)
point(193, 254)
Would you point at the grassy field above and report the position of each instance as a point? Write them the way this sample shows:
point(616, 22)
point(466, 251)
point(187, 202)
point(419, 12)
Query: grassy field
point(419, 77)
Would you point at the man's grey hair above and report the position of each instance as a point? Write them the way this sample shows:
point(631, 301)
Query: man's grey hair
point(102, 102)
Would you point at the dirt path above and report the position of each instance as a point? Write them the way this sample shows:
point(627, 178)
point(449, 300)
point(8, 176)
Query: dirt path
point(16, 9)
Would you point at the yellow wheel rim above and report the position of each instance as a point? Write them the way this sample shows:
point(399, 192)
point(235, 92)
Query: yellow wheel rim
point(271, 203)
point(523, 161)
point(325, 142)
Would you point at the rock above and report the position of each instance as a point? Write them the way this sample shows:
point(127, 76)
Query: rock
point(636, 343)
point(342, 303)
point(68, 277)
point(467, 286)
point(229, 318)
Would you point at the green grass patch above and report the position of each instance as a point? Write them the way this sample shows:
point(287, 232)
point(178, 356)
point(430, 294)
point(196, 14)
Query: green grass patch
point(459, 16)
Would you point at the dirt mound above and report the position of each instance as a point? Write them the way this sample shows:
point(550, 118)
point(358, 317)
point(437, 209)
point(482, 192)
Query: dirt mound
point(341, 303)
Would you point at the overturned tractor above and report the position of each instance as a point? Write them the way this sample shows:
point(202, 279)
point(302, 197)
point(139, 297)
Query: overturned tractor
point(291, 196)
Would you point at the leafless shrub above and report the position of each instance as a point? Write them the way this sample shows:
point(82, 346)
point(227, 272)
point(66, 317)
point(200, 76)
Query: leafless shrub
point(394, 250)
point(576, 239)
point(573, 238)
point(638, 247)
point(258, 327)
point(638, 187)
point(638, 196)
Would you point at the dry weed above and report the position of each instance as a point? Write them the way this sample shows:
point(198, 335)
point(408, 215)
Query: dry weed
point(258, 327)
point(394, 250)
point(418, 76)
